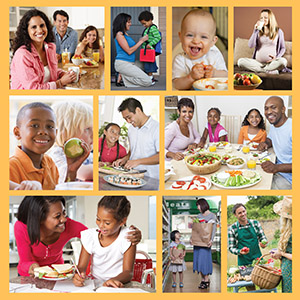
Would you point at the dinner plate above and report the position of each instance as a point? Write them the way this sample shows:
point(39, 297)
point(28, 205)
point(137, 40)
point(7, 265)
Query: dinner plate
point(189, 179)
point(126, 186)
point(55, 279)
point(206, 84)
point(74, 185)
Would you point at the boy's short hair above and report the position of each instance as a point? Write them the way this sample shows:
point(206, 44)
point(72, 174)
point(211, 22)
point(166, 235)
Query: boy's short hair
point(60, 12)
point(28, 106)
point(131, 104)
point(145, 16)
point(236, 206)
point(71, 117)
point(200, 12)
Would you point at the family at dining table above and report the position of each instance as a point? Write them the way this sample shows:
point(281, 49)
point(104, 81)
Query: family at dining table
point(38, 46)
point(181, 135)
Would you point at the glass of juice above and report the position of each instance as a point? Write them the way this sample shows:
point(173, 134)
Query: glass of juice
point(251, 164)
point(212, 148)
point(65, 58)
point(96, 55)
point(246, 149)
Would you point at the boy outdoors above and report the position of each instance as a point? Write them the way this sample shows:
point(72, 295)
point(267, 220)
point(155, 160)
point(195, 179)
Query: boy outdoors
point(200, 57)
point(146, 19)
point(36, 130)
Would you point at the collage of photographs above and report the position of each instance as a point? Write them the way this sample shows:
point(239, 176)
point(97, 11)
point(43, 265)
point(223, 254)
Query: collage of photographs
point(150, 148)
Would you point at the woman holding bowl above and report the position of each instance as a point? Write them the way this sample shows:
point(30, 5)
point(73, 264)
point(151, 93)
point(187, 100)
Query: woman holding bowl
point(34, 64)
point(181, 134)
point(131, 75)
point(43, 229)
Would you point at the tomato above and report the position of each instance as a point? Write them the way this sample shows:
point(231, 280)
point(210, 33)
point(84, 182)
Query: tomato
point(180, 182)
point(246, 82)
point(204, 187)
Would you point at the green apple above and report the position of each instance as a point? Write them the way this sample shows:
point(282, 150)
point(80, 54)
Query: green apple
point(73, 148)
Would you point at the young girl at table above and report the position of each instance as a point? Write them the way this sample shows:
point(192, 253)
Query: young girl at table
point(213, 129)
point(174, 268)
point(74, 119)
point(109, 146)
point(253, 128)
point(112, 255)
point(89, 42)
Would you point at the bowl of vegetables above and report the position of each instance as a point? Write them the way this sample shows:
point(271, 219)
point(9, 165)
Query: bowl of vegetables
point(235, 163)
point(203, 163)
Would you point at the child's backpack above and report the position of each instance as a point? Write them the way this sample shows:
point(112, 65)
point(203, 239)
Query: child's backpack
point(157, 47)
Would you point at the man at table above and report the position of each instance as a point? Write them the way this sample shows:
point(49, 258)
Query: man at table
point(280, 138)
point(143, 139)
point(65, 37)
point(245, 233)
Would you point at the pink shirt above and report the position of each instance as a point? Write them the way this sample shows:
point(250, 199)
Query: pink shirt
point(219, 132)
point(40, 253)
point(110, 154)
point(27, 69)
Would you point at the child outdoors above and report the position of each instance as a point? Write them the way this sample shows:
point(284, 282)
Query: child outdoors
point(109, 147)
point(146, 19)
point(200, 57)
point(36, 130)
point(253, 128)
point(112, 254)
point(176, 267)
point(74, 119)
point(213, 129)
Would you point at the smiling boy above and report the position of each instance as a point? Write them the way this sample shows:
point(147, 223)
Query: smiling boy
point(36, 131)
point(200, 57)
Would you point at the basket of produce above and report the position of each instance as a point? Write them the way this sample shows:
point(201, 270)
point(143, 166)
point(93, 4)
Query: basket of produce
point(203, 163)
point(265, 276)
point(246, 81)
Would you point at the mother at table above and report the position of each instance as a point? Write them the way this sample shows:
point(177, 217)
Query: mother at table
point(34, 64)
point(131, 74)
point(43, 229)
point(181, 134)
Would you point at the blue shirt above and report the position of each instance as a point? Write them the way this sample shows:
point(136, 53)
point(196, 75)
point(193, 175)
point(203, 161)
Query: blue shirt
point(121, 54)
point(281, 138)
point(69, 41)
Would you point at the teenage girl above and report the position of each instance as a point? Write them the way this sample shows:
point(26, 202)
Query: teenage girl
point(109, 147)
point(253, 128)
point(174, 268)
point(213, 129)
point(89, 41)
point(268, 41)
point(112, 255)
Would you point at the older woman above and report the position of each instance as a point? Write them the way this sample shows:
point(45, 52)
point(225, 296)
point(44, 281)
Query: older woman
point(34, 64)
point(132, 75)
point(181, 134)
point(43, 229)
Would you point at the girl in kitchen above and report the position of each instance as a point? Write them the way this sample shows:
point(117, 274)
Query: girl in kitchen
point(109, 146)
point(213, 129)
point(176, 267)
point(90, 43)
point(112, 256)
point(253, 128)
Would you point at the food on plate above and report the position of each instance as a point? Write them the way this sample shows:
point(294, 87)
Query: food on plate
point(236, 161)
point(223, 176)
point(211, 84)
point(125, 180)
point(249, 174)
point(91, 63)
point(197, 183)
point(253, 145)
point(203, 163)
point(225, 157)
point(57, 271)
point(73, 148)
point(192, 151)
point(221, 144)
point(246, 79)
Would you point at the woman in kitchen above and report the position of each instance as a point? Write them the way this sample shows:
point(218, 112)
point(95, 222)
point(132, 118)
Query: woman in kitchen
point(34, 63)
point(43, 229)
point(128, 73)
point(181, 135)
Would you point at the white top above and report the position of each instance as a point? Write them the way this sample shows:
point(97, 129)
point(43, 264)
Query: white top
point(47, 74)
point(107, 262)
point(144, 142)
point(251, 136)
point(182, 64)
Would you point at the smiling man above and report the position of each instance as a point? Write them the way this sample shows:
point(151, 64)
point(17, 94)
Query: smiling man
point(65, 37)
point(280, 138)
point(143, 139)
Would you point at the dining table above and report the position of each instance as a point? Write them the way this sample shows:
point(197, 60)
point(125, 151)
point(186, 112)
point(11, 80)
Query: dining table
point(181, 172)
point(91, 77)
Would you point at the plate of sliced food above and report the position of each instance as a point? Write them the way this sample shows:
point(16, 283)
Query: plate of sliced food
point(54, 272)
point(125, 181)
point(196, 182)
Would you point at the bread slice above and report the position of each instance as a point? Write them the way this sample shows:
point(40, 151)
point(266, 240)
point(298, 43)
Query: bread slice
point(45, 271)
point(63, 268)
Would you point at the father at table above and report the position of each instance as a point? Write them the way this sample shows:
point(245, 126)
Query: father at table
point(143, 139)
point(65, 37)
point(280, 138)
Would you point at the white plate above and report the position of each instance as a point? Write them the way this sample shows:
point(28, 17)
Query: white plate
point(127, 186)
point(237, 187)
point(235, 167)
point(219, 84)
point(221, 145)
point(189, 179)
point(55, 279)
point(75, 185)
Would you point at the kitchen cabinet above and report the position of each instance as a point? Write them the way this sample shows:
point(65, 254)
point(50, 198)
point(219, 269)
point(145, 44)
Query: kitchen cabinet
point(165, 243)
point(16, 14)
point(85, 16)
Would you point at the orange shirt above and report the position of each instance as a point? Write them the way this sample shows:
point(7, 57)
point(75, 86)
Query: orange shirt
point(21, 168)
point(260, 137)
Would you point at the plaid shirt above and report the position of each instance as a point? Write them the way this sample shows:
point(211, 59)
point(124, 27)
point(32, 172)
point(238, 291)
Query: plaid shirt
point(233, 235)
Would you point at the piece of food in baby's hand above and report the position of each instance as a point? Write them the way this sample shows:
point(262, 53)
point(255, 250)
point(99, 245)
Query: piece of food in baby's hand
point(73, 148)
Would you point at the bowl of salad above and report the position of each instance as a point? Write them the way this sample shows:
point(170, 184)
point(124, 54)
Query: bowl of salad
point(203, 163)
point(235, 163)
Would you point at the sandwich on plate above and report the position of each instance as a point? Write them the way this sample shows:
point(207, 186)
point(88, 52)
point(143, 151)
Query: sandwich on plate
point(55, 271)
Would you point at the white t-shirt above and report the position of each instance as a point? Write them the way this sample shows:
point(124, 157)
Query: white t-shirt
point(47, 74)
point(107, 262)
point(182, 64)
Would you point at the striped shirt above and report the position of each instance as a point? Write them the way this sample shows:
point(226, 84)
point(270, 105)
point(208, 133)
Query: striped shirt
point(233, 234)
point(153, 34)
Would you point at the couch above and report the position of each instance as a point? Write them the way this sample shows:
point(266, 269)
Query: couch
point(282, 81)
